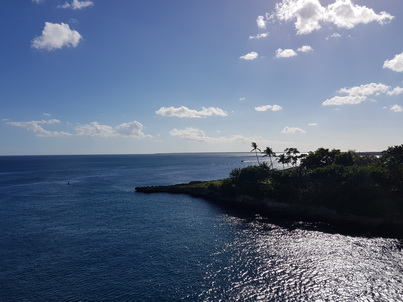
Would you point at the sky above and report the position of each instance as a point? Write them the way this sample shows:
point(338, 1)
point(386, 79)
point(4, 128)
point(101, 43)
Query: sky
point(157, 76)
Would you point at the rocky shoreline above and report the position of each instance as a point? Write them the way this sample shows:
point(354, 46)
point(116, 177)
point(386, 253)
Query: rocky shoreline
point(391, 226)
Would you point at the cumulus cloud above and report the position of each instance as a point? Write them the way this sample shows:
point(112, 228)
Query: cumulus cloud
point(285, 53)
point(198, 135)
point(56, 36)
point(259, 36)
point(292, 130)
point(131, 130)
point(305, 48)
point(309, 15)
point(396, 108)
point(368, 89)
point(345, 100)
point(250, 56)
point(185, 112)
point(358, 94)
point(288, 53)
point(76, 4)
point(261, 23)
point(35, 127)
point(395, 91)
point(268, 107)
point(395, 64)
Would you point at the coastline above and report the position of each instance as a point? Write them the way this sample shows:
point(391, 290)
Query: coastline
point(388, 226)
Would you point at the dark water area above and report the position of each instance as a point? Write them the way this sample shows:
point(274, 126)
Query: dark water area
point(73, 229)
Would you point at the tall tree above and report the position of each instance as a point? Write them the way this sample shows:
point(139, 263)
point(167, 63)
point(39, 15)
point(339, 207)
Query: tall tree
point(292, 155)
point(269, 152)
point(282, 160)
point(255, 148)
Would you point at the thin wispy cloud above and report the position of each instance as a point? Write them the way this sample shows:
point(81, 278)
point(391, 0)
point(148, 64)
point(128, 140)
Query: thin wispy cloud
point(37, 128)
point(56, 36)
point(76, 4)
point(333, 36)
point(292, 130)
point(129, 130)
point(268, 108)
point(250, 56)
point(310, 15)
point(259, 36)
point(194, 134)
point(313, 124)
point(185, 112)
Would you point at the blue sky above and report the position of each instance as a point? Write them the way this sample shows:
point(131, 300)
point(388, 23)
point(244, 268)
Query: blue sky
point(122, 76)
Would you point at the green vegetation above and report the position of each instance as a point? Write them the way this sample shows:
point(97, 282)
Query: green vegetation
point(346, 182)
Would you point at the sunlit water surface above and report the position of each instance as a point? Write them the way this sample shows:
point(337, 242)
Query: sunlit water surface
point(73, 229)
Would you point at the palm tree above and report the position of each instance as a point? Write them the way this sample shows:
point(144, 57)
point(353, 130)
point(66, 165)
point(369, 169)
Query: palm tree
point(255, 148)
point(282, 160)
point(269, 152)
point(292, 155)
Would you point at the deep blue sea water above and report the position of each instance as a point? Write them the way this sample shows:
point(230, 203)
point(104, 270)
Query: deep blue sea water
point(73, 229)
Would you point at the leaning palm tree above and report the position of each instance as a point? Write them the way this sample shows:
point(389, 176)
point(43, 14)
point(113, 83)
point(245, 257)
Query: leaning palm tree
point(269, 152)
point(255, 148)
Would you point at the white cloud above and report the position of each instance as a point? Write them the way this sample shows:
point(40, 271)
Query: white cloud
point(358, 94)
point(37, 1)
point(268, 107)
point(395, 64)
point(76, 4)
point(368, 89)
point(185, 112)
point(250, 56)
point(55, 36)
point(285, 53)
point(312, 124)
point(346, 14)
point(395, 91)
point(35, 127)
point(131, 130)
point(198, 135)
point(310, 14)
point(396, 108)
point(335, 36)
point(261, 23)
point(292, 130)
point(242, 99)
point(259, 36)
point(345, 100)
point(305, 48)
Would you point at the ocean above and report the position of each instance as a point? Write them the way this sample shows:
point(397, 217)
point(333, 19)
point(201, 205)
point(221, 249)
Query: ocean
point(72, 228)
